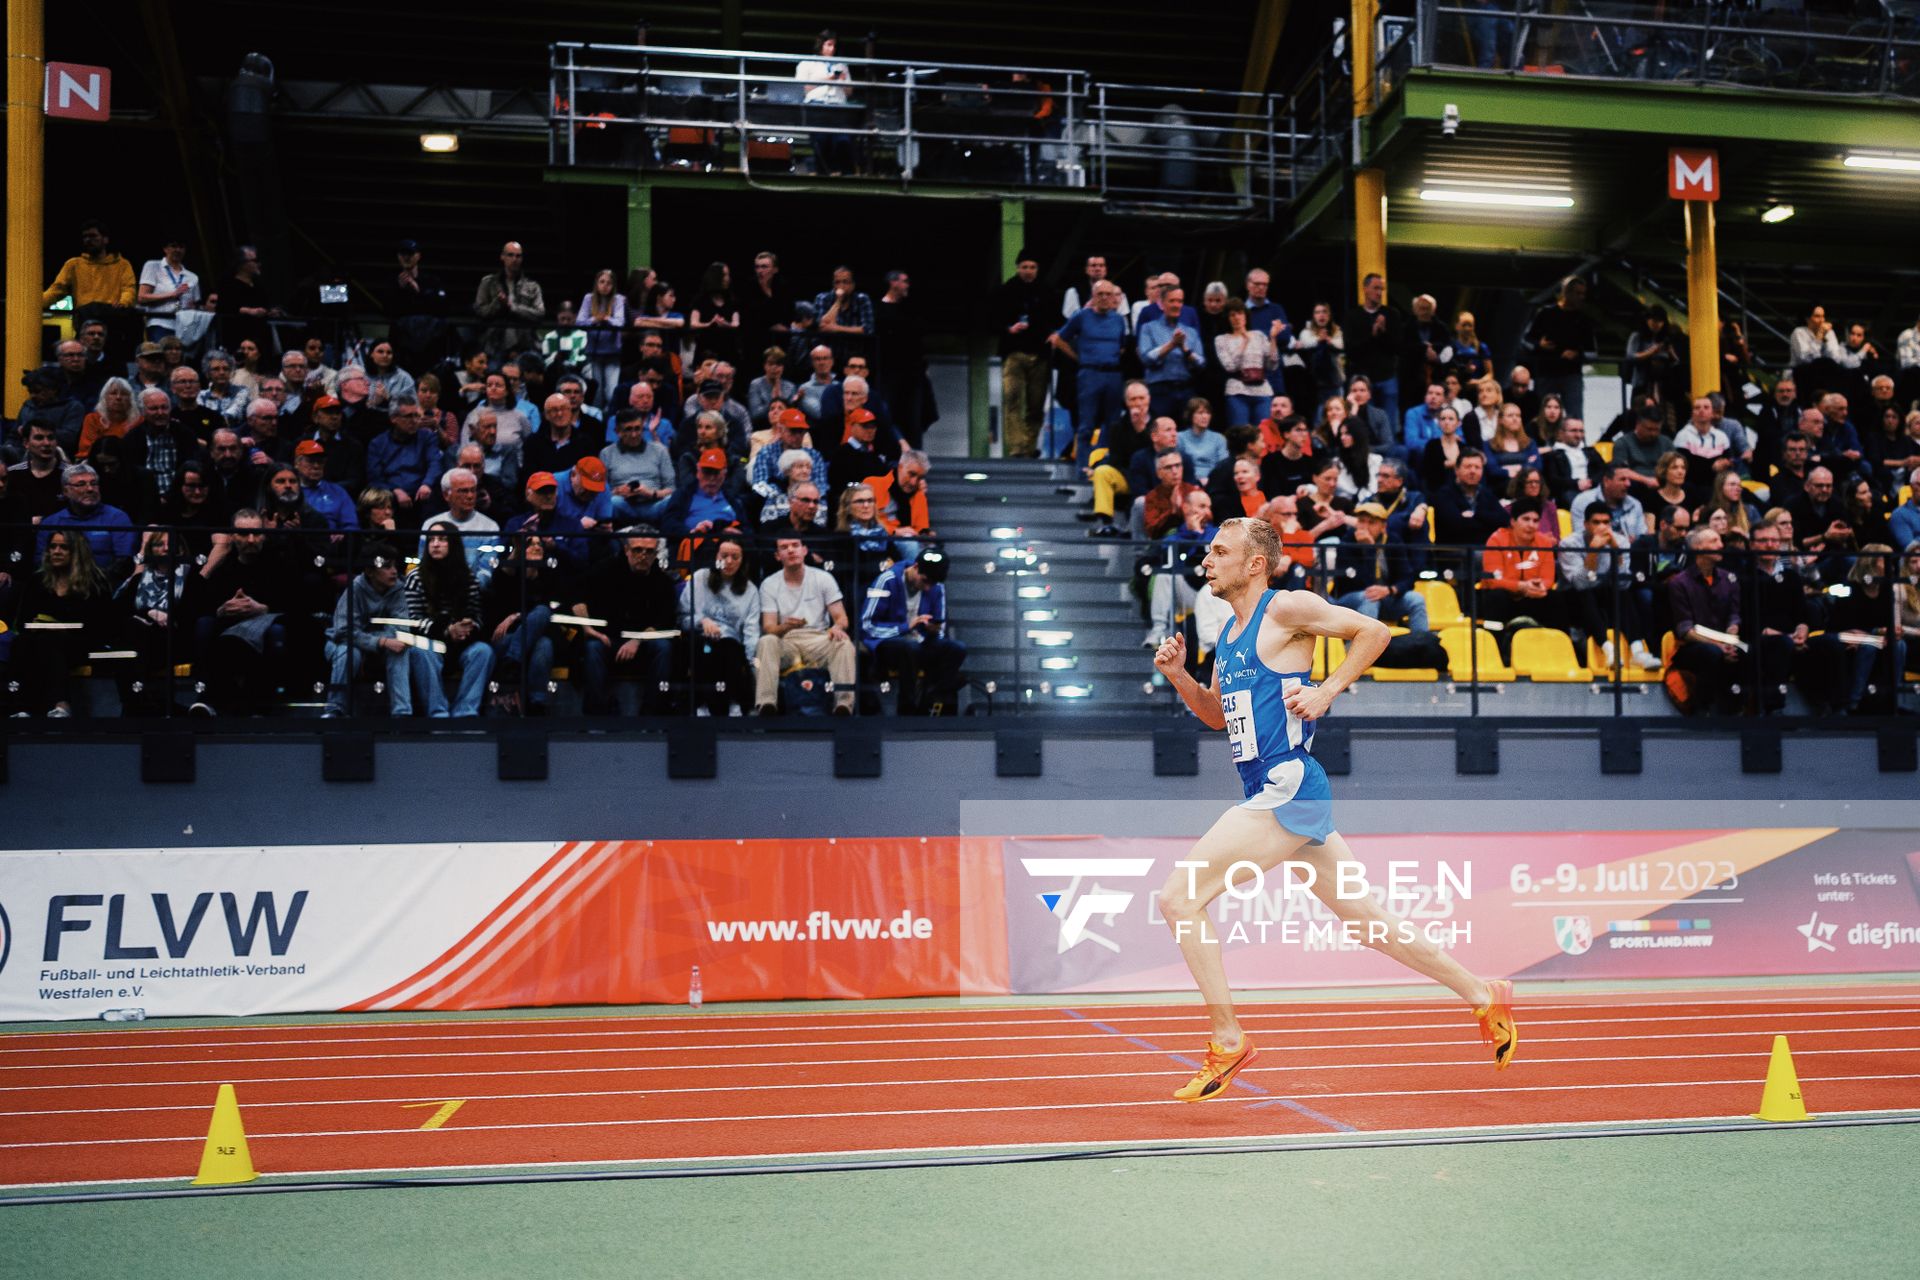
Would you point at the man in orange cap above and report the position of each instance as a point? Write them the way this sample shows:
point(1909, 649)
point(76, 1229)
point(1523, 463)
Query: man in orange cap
point(323, 495)
point(544, 517)
point(583, 493)
point(702, 505)
point(859, 456)
point(790, 433)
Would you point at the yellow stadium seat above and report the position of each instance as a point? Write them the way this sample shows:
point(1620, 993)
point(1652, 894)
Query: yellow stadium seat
point(1753, 486)
point(1328, 654)
point(1630, 671)
point(1460, 660)
point(1667, 645)
point(1546, 656)
point(1605, 450)
point(1443, 607)
point(1566, 521)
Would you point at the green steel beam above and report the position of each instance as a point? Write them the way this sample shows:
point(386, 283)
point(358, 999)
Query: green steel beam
point(639, 224)
point(1013, 235)
point(1488, 237)
point(1322, 196)
point(1668, 110)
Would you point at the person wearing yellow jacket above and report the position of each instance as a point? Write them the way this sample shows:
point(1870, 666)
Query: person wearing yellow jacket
point(96, 277)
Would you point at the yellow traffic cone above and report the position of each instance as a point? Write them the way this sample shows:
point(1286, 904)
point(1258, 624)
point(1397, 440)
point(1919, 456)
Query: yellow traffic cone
point(1781, 1100)
point(225, 1160)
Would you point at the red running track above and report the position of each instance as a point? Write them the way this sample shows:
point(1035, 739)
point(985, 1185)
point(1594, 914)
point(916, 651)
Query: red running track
point(90, 1106)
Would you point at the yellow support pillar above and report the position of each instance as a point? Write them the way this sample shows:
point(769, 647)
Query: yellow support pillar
point(26, 142)
point(1369, 226)
point(1360, 39)
point(1369, 185)
point(1703, 297)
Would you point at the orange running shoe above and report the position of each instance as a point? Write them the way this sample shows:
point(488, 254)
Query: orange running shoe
point(1496, 1023)
point(1216, 1073)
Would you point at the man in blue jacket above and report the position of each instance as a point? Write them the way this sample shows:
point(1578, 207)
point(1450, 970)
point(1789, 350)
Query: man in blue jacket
point(405, 459)
point(1373, 574)
point(334, 503)
point(904, 625)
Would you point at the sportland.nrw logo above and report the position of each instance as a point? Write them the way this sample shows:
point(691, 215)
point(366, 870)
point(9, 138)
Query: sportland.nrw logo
point(1075, 908)
point(6, 938)
point(1574, 934)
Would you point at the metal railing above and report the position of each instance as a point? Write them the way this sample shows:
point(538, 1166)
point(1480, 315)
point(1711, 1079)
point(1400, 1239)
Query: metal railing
point(164, 633)
point(1755, 43)
point(1582, 659)
point(1033, 653)
point(1169, 149)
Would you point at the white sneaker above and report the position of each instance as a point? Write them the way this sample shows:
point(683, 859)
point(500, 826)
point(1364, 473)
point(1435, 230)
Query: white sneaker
point(1606, 651)
point(1153, 641)
point(734, 711)
point(59, 713)
point(702, 712)
point(1647, 660)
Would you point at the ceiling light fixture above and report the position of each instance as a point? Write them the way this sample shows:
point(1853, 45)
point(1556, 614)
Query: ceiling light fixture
point(1495, 199)
point(1776, 213)
point(1888, 163)
point(440, 143)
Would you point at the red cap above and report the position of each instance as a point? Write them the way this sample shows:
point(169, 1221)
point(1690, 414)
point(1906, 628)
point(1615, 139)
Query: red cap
point(793, 420)
point(309, 449)
point(716, 459)
point(860, 417)
point(541, 480)
point(592, 473)
point(326, 402)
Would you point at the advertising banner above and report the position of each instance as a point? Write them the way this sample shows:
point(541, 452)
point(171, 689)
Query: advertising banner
point(1083, 914)
point(481, 926)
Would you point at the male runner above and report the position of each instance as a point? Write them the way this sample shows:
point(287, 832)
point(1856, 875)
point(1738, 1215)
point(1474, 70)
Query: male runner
point(1264, 697)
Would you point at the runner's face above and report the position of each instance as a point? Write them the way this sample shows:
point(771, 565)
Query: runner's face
point(1226, 564)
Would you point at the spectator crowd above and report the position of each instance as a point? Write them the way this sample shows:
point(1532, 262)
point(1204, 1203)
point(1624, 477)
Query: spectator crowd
point(1735, 548)
point(712, 502)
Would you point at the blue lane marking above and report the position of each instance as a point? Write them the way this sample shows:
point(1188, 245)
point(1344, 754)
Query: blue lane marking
point(1304, 1110)
point(1238, 1081)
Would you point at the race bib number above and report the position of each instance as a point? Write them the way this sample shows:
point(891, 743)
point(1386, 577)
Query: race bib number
point(1237, 707)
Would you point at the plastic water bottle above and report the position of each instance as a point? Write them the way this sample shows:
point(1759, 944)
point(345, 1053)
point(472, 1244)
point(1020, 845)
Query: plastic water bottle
point(693, 989)
point(124, 1015)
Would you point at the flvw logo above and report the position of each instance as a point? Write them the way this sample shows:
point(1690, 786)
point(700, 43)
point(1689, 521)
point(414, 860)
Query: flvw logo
point(1075, 909)
point(1574, 934)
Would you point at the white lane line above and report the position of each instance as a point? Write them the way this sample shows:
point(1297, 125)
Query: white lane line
point(1091, 1032)
point(929, 1111)
point(1186, 1019)
point(1477, 1063)
point(1601, 999)
point(602, 1069)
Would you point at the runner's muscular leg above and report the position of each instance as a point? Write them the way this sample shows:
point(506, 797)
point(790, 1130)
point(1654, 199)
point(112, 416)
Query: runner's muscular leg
point(1416, 953)
point(1241, 835)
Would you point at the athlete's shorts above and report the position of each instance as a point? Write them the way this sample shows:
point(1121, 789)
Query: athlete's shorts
point(1296, 792)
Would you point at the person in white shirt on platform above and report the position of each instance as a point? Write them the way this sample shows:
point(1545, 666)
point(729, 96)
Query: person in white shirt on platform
point(802, 618)
point(166, 289)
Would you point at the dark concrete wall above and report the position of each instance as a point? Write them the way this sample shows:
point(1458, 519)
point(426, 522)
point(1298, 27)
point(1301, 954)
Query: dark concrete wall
point(77, 795)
